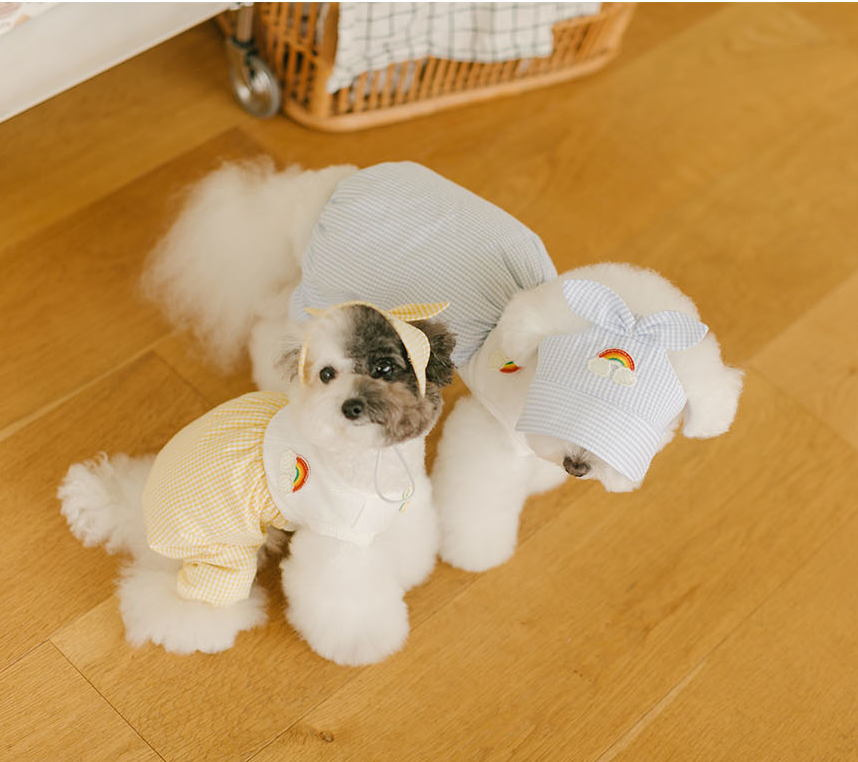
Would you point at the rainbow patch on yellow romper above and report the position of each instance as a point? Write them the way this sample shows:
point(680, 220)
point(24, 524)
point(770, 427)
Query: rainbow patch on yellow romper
point(619, 356)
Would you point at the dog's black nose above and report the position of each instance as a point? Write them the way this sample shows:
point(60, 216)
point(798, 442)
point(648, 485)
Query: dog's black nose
point(353, 408)
point(575, 467)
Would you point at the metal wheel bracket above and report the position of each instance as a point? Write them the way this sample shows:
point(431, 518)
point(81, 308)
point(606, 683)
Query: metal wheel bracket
point(253, 82)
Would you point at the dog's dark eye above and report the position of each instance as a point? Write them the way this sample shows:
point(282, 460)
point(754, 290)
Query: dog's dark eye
point(382, 368)
point(327, 374)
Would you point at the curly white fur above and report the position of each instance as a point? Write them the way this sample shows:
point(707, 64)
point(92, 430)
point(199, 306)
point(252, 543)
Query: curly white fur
point(99, 499)
point(237, 242)
point(153, 611)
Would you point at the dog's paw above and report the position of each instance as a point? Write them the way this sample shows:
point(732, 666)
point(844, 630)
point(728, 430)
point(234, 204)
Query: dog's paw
point(88, 502)
point(153, 611)
point(351, 632)
point(476, 542)
point(101, 501)
point(475, 556)
point(344, 599)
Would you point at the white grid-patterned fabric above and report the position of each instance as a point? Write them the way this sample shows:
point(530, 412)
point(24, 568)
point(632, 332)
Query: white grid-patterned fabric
point(373, 35)
point(397, 233)
point(207, 501)
point(611, 388)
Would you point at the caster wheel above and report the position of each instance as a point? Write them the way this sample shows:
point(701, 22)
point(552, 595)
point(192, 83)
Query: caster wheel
point(255, 86)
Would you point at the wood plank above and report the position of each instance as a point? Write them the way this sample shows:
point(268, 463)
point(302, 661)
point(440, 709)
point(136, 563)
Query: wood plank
point(554, 655)
point(70, 294)
point(838, 21)
point(783, 686)
point(48, 578)
point(763, 244)
point(814, 361)
point(49, 712)
point(654, 23)
point(185, 356)
point(71, 150)
point(213, 707)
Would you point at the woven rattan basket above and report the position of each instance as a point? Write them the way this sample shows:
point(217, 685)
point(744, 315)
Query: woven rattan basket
point(300, 48)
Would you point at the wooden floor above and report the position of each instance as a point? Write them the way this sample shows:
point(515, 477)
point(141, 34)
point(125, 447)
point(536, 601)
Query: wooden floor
point(713, 615)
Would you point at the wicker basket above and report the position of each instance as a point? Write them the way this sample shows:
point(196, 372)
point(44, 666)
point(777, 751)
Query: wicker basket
point(302, 57)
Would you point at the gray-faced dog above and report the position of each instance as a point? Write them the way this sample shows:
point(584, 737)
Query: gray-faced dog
point(337, 460)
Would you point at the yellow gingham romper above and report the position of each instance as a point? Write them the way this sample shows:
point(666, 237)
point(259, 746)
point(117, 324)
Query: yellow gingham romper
point(207, 502)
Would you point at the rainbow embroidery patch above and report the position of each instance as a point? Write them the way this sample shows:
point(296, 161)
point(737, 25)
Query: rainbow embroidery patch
point(620, 356)
point(294, 471)
point(499, 361)
point(302, 471)
point(616, 364)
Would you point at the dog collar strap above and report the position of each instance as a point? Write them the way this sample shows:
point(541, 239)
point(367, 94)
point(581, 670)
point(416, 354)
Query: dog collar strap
point(407, 493)
point(416, 344)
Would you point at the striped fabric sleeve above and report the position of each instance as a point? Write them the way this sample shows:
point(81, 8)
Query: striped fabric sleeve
point(221, 576)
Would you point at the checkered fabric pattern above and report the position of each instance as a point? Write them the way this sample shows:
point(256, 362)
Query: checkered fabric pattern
point(415, 341)
point(207, 500)
point(611, 388)
point(373, 35)
point(398, 233)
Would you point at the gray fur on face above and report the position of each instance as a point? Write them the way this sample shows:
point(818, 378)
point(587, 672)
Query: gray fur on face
point(394, 402)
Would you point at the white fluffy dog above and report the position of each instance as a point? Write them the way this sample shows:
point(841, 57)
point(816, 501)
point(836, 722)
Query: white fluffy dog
point(231, 266)
point(339, 462)
point(480, 514)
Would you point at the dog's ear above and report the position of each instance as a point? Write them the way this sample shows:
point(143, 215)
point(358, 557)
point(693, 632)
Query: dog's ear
point(289, 350)
point(440, 369)
point(712, 388)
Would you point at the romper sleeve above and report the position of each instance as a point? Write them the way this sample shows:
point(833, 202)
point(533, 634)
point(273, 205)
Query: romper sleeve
point(221, 575)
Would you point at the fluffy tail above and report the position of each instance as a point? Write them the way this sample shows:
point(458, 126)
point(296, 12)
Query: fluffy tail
point(237, 242)
point(101, 502)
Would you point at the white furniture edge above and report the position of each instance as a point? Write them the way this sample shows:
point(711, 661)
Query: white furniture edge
point(75, 41)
